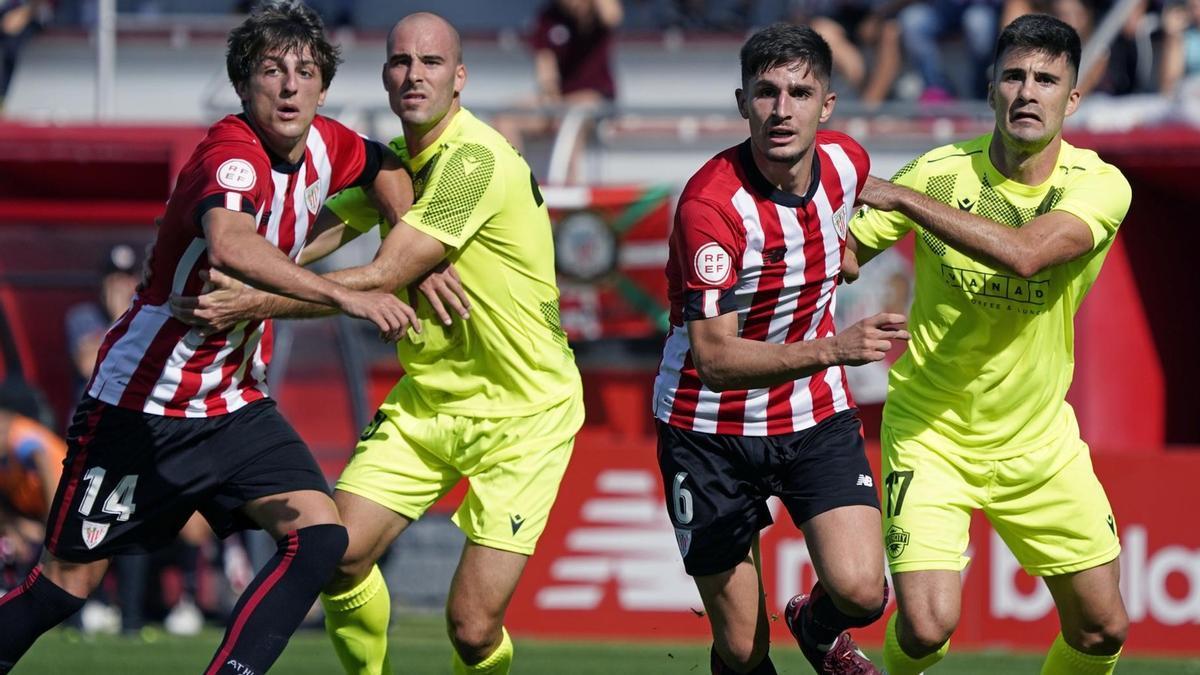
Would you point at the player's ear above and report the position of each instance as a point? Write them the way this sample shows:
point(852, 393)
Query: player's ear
point(740, 96)
point(1072, 101)
point(460, 78)
point(827, 106)
point(991, 94)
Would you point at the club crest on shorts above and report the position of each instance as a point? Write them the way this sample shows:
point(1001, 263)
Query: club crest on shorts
point(312, 198)
point(684, 539)
point(93, 533)
point(895, 540)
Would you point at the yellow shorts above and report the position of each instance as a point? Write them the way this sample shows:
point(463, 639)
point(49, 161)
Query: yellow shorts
point(1047, 505)
point(410, 455)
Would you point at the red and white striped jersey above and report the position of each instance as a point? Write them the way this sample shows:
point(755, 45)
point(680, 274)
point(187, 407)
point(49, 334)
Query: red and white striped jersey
point(741, 245)
point(152, 362)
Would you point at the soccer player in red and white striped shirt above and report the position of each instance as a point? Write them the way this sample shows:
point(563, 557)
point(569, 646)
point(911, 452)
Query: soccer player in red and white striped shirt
point(751, 399)
point(175, 420)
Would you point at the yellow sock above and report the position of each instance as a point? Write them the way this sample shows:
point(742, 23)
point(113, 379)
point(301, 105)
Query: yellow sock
point(1063, 659)
point(497, 663)
point(357, 623)
point(896, 662)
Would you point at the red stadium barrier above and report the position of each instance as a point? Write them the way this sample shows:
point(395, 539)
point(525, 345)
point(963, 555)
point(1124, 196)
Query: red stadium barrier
point(608, 566)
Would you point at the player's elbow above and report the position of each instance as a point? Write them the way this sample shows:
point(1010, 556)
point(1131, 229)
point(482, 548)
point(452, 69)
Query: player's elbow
point(1026, 266)
point(711, 369)
point(222, 256)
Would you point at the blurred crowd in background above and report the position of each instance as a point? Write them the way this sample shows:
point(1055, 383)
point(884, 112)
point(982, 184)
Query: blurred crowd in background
point(926, 50)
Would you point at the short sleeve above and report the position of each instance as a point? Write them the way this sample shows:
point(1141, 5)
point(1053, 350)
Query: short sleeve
point(707, 247)
point(539, 38)
point(463, 191)
point(860, 160)
point(355, 209)
point(233, 175)
point(1099, 197)
point(880, 229)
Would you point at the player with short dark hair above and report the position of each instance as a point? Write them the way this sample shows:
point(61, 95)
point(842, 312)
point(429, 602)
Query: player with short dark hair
point(751, 399)
point(496, 398)
point(176, 420)
point(1012, 229)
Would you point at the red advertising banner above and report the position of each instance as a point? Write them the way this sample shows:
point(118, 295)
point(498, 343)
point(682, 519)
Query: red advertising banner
point(608, 565)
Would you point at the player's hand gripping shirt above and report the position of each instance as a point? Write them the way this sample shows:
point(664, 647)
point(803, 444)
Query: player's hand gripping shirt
point(741, 245)
point(152, 362)
point(991, 357)
point(476, 194)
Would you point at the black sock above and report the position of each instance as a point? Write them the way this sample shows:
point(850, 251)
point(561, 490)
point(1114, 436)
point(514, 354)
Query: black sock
point(275, 602)
point(189, 560)
point(29, 610)
point(823, 621)
point(764, 667)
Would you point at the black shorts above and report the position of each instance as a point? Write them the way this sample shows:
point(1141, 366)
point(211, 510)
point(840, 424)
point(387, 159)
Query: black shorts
point(717, 485)
point(131, 479)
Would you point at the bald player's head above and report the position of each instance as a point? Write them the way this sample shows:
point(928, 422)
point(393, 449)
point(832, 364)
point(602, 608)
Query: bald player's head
point(424, 73)
point(430, 24)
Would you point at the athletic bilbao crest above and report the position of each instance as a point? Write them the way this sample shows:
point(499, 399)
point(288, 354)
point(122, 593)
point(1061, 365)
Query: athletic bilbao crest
point(684, 539)
point(93, 533)
point(895, 540)
point(840, 218)
point(312, 198)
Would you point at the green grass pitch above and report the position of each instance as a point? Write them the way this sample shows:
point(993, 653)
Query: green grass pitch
point(419, 647)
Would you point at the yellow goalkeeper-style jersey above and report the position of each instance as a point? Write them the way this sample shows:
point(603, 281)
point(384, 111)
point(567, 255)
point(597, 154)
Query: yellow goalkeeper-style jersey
point(991, 357)
point(476, 194)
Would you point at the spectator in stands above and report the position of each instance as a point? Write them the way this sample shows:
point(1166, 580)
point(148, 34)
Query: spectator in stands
point(87, 322)
point(18, 20)
point(572, 60)
point(924, 24)
point(31, 459)
point(572, 43)
point(852, 27)
point(1180, 45)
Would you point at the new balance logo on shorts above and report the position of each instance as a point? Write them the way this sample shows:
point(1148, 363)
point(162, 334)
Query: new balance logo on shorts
point(864, 479)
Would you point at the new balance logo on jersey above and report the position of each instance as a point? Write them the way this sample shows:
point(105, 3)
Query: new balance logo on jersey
point(774, 255)
point(864, 479)
point(516, 520)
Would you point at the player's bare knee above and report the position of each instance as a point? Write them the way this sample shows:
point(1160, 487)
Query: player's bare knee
point(1101, 637)
point(473, 637)
point(743, 652)
point(924, 635)
point(864, 599)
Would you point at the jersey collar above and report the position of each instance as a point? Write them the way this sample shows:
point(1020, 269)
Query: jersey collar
point(451, 130)
point(764, 187)
point(278, 164)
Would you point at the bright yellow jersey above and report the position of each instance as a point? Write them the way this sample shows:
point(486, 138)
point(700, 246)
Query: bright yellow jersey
point(991, 357)
point(477, 195)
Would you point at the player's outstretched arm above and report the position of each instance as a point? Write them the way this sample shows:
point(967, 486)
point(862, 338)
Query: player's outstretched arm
point(235, 248)
point(726, 361)
point(1049, 239)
